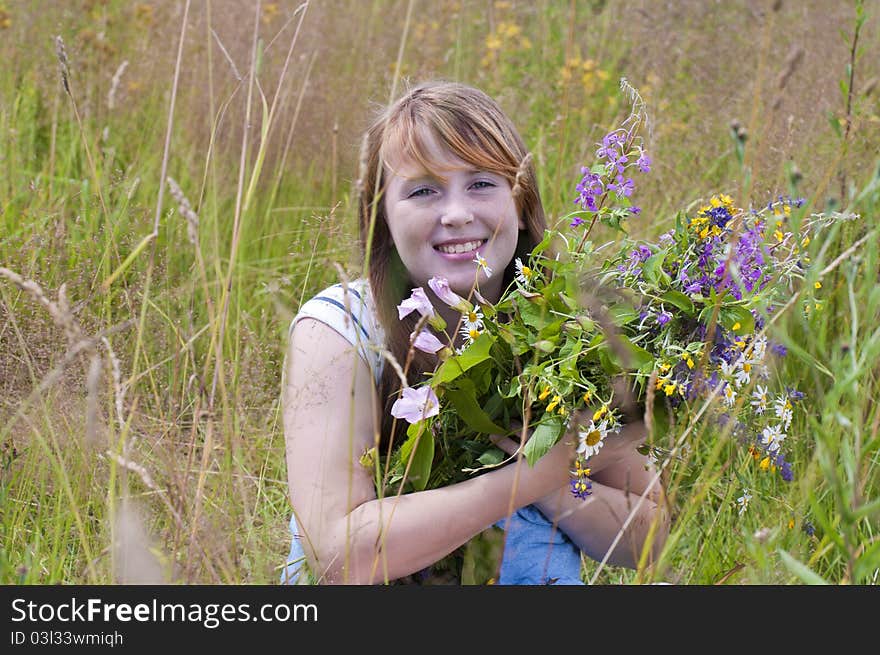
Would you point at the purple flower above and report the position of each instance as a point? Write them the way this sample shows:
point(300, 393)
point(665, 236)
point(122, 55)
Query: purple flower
point(794, 394)
point(644, 162)
point(611, 143)
point(440, 287)
point(635, 210)
point(576, 221)
point(589, 189)
point(416, 404)
point(417, 302)
point(427, 342)
point(778, 349)
point(623, 187)
point(664, 317)
point(784, 467)
point(581, 487)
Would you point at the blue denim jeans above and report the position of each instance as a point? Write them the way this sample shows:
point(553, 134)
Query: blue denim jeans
point(534, 553)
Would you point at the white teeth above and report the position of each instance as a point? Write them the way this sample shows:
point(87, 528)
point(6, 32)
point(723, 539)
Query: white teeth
point(460, 247)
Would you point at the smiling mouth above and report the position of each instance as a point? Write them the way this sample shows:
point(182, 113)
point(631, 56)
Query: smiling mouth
point(460, 248)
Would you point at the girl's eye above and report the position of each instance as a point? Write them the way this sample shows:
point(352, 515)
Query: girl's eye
point(482, 184)
point(421, 192)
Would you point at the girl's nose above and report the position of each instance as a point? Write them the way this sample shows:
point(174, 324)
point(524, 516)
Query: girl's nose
point(456, 213)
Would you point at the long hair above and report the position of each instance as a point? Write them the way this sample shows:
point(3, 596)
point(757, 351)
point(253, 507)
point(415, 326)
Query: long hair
point(472, 126)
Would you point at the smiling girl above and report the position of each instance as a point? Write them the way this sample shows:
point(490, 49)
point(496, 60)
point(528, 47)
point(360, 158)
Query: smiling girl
point(449, 191)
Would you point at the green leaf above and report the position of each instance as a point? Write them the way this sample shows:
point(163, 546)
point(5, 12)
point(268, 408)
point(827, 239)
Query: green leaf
point(545, 436)
point(801, 570)
point(652, 269)
point(464, 398)
point(570, 302)
point(733, 314)
point(867, 509)
point(491, 457)
point(475, 353)
point(638, 356)
point(867, 564)
point(534, 312)
point(422, 440)
point(621, 314)
point(680, 300)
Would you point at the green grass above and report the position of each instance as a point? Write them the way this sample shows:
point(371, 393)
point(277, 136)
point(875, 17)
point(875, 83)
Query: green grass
point(199, 330)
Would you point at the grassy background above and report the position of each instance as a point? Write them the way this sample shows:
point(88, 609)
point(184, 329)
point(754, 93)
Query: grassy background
point(165, 460)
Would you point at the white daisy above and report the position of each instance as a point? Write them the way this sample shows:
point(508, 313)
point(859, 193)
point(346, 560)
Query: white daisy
point(472, 320)
point(772, 437)
point(480, 261)
point(727, 370)
point(524, 274)
point(729, 395)
point(470, 334)
point(743, 372)
point(782, 409)
point(590, 441)
point(759, 399)
point(759, 348)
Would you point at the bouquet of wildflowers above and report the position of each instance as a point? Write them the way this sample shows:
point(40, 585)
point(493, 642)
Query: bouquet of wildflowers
point(682, 320)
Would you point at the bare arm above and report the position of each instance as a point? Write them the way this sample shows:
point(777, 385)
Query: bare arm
point(349, 535)
point(619, 479)
point(619, 482)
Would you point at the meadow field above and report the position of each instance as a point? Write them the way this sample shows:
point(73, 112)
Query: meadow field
point(176, 177)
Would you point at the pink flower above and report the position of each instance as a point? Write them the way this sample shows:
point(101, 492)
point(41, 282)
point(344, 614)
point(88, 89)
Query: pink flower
point(418, 302)
point(416, 404)
point(440, 287)
point(427, 342)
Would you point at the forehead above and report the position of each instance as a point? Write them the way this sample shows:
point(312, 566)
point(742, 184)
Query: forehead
point(419, 151)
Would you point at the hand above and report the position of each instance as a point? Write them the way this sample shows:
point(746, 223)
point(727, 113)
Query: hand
point(617, 446)
point(554, 466)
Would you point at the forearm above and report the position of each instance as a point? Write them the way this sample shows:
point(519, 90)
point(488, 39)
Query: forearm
point(396, 536)
point(594, 523)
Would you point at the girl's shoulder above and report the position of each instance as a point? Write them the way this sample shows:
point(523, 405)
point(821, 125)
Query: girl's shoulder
point(350, 311)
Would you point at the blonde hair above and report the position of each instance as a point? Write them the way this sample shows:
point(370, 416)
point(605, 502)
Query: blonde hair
point(473, 127)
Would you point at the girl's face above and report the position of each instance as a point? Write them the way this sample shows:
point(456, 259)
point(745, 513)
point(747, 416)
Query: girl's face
point(439, 226)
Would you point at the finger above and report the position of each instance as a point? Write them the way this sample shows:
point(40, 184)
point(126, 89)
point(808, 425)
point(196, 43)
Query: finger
point(506, 444)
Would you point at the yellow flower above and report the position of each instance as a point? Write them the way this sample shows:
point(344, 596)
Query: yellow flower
point(669, 389)
point(493, 42)
point(765, 463)
point(509, 30)
point(269, 11)
point(587, 396)
point(553, 403)
point(817, 285)
point(543, 395)
point(599, 413)
point(736, 326)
